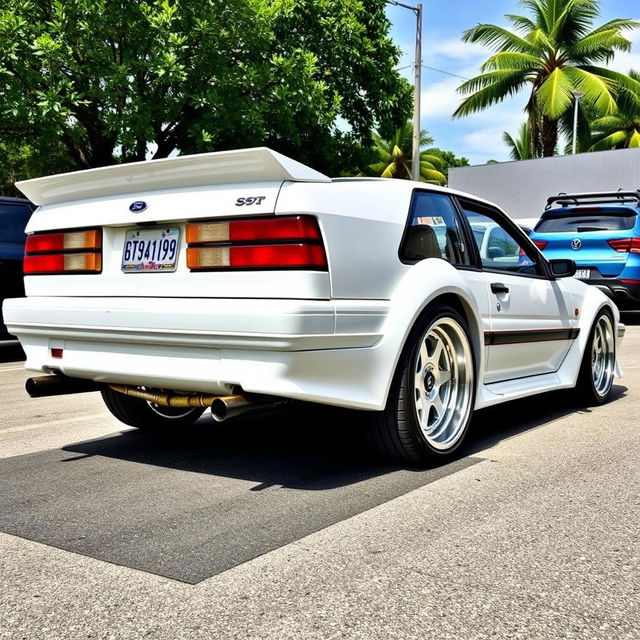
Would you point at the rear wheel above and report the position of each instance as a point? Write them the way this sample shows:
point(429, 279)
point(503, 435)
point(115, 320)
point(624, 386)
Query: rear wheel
point(595, 380)
point(431, 400)
point(146, 415)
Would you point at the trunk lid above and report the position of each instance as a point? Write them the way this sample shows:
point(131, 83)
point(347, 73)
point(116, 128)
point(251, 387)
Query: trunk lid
point(165, 195)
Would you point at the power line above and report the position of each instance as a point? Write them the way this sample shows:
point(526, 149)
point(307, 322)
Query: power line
point(424, 66)
point(448, 73)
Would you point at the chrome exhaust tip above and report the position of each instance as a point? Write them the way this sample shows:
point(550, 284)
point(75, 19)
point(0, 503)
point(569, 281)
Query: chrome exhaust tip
point(226, 407)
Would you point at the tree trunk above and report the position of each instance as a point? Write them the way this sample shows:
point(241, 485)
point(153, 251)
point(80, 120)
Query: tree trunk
point(549, 136)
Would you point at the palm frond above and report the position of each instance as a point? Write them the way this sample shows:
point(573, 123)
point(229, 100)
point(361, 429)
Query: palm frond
point(511, 60)
point(555, 94)
point(610, 142)
point(498, 38)
point(598, 91)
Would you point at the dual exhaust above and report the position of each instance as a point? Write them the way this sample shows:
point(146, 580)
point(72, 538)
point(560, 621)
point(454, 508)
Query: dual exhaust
point(222, 407)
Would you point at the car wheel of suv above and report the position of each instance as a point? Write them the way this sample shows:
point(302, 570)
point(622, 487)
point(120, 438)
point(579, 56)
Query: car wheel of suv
point(146, 415)
point(595, 380)
point(431, 400)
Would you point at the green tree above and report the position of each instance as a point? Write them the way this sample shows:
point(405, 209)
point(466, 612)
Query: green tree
point(520, 147)
point(119, 80)
point(553, 51)
point(394, 156)
point(448, 159)
point(621, 129)
point(19, 161)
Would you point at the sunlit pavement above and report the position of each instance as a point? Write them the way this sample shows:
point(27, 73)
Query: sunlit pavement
point(283, 526)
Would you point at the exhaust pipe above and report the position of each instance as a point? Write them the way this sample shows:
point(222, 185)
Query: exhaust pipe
point(165, 399)
point(59, 385)
point(226, 407)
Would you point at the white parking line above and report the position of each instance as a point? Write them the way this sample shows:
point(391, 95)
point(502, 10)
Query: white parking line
point(2, 369)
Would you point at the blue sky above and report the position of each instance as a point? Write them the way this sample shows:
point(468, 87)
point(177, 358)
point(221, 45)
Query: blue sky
point(478, 137)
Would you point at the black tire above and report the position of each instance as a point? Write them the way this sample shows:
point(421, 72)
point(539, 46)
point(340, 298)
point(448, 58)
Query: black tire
point(595, 380)
point(402, 431)
point(143, 415)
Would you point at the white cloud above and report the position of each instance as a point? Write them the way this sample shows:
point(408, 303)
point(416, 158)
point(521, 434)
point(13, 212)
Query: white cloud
point(486, 141)
point(440, 99)
point(455, 49)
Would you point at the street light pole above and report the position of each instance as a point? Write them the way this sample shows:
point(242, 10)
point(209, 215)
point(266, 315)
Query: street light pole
point(415, 156)
point(577, 95)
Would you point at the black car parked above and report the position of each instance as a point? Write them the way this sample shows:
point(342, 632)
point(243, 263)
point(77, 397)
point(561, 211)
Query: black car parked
point(14, 215)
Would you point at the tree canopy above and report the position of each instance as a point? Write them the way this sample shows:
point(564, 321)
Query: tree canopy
point(122, 80)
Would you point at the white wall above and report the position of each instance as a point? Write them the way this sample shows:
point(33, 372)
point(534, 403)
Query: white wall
point(522, 188)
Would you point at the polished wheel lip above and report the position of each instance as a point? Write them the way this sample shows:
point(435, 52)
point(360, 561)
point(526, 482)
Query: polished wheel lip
point(443, 383)
point(603, 356)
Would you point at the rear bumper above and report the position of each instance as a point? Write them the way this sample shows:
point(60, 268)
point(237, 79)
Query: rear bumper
point(310, 350)
point(626, 295)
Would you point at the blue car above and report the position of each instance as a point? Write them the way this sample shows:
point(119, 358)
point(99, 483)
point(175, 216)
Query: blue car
point(14, 215)
point(600, 232)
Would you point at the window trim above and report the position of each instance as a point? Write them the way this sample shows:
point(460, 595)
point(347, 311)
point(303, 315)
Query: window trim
point(502, 219)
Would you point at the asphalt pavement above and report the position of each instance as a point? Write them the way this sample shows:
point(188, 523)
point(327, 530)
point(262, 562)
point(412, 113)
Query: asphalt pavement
point(283, 526)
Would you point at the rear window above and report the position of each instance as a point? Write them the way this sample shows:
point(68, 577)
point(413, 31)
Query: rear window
point(587, 221)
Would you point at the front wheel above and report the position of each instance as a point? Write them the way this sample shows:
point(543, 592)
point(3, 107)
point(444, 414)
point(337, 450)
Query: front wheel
point(595, 380)
point(145, 415)
point(431, 400)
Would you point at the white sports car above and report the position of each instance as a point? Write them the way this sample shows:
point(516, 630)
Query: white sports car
point(242, 279)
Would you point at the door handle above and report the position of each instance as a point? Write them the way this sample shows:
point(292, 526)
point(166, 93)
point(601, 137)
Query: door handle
point(498, 287)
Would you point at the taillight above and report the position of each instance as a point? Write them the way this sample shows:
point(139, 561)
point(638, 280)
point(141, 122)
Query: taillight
point(64, 252)
point(625, 245)
point(541, 244)
point(288, 242)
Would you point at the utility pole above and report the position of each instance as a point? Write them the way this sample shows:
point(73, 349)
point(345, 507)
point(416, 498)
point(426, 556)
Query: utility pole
point(577, 95)
point(415, 158)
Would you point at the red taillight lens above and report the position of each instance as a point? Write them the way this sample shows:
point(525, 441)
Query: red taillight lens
point(625, 245)
point(541, 244)
point(64, 252)
point(301, 256)
point(254, 230)
point(289, 242)
point(70, 241)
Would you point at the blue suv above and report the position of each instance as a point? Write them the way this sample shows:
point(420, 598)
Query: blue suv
point(14, 215)
point(601, 233)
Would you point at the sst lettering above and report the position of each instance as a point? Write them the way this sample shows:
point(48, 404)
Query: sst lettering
point(247, 202)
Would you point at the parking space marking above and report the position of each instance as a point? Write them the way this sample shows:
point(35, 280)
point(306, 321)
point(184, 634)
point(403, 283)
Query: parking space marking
point(53, 423)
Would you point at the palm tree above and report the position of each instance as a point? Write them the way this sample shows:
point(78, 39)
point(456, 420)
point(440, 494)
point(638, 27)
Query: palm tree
point(553, 52)
point(394, 156)
point(621, 129)
point(521, 147)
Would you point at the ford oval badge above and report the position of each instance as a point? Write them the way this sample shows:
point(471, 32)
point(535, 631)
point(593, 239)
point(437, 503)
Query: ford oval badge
point(137, 206)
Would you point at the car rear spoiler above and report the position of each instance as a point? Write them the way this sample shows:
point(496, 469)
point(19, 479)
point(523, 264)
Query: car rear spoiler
point(223, 167)
point(596, 197)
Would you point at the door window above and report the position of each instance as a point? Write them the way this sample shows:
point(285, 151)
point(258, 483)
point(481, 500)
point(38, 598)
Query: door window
point(434, 231)
point(499, 249)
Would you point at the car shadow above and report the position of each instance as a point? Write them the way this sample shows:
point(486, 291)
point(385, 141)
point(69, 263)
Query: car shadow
point(630, 318)
point(312, 447)
point(11, 351)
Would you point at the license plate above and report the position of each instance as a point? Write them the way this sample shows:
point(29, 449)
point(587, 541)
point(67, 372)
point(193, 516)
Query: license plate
point(584, 274)
point(151, 250)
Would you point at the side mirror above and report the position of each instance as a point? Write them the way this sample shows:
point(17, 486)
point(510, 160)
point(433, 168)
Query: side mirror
point(562, 268)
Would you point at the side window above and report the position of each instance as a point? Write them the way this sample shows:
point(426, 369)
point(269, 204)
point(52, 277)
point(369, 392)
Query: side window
point(498, 249)
point(434, 231)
